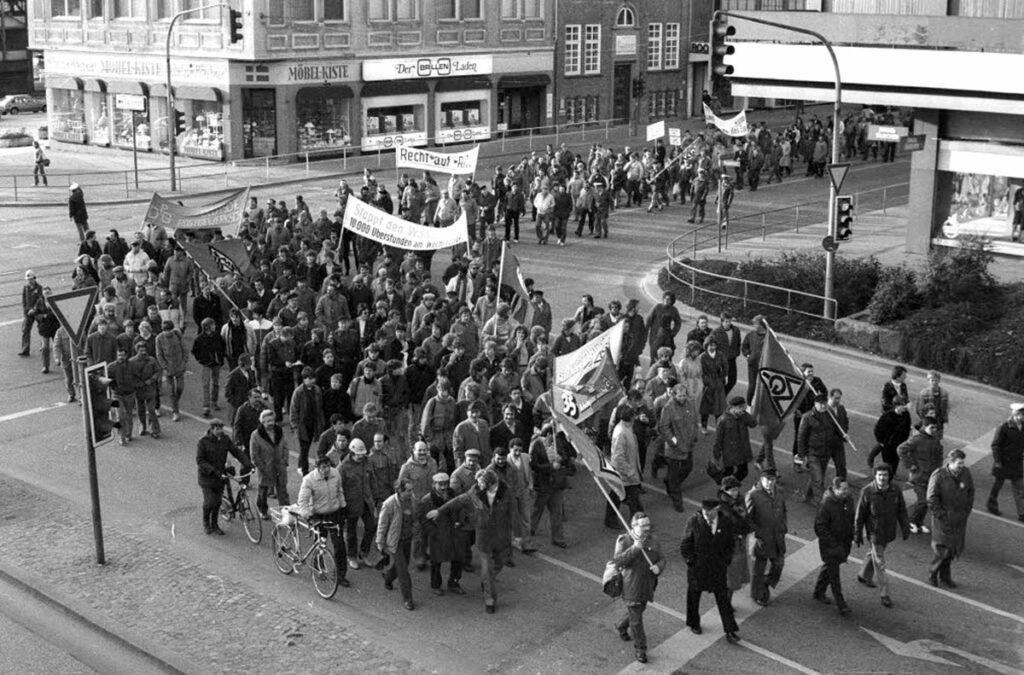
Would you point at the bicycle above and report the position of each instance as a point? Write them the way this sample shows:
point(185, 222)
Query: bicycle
point(236, 504)
point(289, 556)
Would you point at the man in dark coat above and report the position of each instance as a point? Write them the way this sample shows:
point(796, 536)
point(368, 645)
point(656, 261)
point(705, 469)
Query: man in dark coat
point(820, 438)
point(307, 416)
point(922, 455)
point(634, 334)
point(817, 387)
point(77, 211)
point(442, 535)
point(31, 294)
point(731, 450)
point(767, 509)
point(728, 338)
point(663, 323)
point(638, 555)
point(891, 430)
point(1008, 460)
point(211, 457)
point(834, 527)
point(751, 349)
point(950, 498)
point(707, 548)
point(355, 485)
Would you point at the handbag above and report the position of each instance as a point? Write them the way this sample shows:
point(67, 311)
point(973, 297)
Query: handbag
point(611, 580)
point(46, 161)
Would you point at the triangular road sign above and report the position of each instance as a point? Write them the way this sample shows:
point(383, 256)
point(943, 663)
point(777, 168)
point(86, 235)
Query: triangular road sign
point(74, 310)
point(837, 174)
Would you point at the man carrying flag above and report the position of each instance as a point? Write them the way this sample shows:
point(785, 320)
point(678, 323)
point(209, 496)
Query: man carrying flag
point(512, 287)
point(778, 389)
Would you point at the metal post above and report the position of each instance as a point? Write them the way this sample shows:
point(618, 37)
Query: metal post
point(764, 227)
point(307, 163)
point(796, 219)
point(695, 243)
point(94, 483)
point(344, 158)
point(885, 189)
point(266, 168)
point(126, 184)
point(135, 153)
point(15, 188)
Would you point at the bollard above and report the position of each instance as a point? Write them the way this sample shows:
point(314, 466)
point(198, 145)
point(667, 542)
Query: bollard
point(885, 190)
point(796, 220)
point(378, 158)
point(344, 158)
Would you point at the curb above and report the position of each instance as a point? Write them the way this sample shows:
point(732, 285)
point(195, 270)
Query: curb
point(160, 657)
point(650, 281)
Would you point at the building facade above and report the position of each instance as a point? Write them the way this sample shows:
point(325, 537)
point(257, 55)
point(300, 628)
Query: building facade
point(15, 61)
point(951, 62)
point(307, 75)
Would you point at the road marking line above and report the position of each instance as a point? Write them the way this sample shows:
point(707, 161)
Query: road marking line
point(10, 323)
point(1016, 567)
point(32, 411)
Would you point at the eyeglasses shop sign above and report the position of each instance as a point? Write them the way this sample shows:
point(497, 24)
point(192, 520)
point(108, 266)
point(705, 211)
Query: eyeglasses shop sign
point(428, 67)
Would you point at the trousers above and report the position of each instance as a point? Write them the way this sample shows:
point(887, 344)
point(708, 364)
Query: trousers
point(761, 582)
point(828, 577)
point(491, 563)
point(1017, 486)
point(874, 568)
point(552, 501)
point(356, 547)
point(675, 473)
point(634, 622)
point(725, 610)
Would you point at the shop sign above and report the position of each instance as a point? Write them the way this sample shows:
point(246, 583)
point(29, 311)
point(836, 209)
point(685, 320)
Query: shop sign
point(428, 67)
point(319, 73)
point(390, 141)
point(68, 136)
point(204, 151)
point(463, 134)
point(625, 45)
point(137, 67)
point(886, 133)
point(134, 102)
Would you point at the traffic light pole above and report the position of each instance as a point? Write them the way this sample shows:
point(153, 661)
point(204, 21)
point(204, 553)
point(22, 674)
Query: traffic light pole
point(830, 256)
point(90, 453)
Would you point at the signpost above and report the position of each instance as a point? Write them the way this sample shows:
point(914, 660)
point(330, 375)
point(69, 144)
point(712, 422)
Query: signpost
point(136, 104)
point(837, 174)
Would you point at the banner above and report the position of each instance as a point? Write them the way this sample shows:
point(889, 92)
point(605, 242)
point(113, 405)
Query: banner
point(780, 386)
point(734, 126)
point(655, 130)
point(512, 288)
point(384, 228)
point(576, 364)
point(582, 396)
point(220, 258)
point(427, 160)
point(588, 452)
point(227, 212)
point(675, 136)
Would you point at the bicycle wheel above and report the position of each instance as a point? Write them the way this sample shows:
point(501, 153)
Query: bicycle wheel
point(227, 509)
point(284, 549)
point(250, 521)
point(325, 573)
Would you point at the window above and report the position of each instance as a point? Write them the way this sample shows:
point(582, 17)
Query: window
point(592, 49)
point(206, 14)
point(671, 46)
point(406, 10)
point(95, 9)
point(509, 9)
point(670, 105)
point(275, 12)
point(625, 18)
point(66, 8)
point(572, 49)
point(378, 10)
point(532, 9)
point(301, 10)
point(165, 9)
point(521, 9)
point(129, 9)
point(654, 46)
point(334, 10)
point(456, 10)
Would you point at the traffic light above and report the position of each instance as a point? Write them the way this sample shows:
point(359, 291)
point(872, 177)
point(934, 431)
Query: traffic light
point(639, 87)
point(235, 18)
point(844, 217)
point(180, 124)
point(717, 49)
point(98, 404)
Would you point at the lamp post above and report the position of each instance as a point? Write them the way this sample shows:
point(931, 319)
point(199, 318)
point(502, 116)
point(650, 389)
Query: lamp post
point(830, 256)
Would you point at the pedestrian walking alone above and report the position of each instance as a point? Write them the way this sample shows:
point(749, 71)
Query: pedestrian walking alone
point(39, 168)
point(77, 211)
point(1008, 461)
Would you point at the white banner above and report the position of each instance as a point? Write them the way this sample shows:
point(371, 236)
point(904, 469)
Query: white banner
point(572, 367)
point(735, 126)
point(656, 130)
point(384, 228)
point(461, 163)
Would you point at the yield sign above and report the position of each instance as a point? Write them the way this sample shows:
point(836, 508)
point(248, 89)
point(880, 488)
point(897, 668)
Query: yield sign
point(837, 174)
point(74, 309)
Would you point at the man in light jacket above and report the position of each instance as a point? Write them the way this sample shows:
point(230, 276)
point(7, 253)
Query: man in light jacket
point(321, 498)
point(625, 458)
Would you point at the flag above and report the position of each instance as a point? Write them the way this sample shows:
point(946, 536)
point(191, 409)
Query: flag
point(585, 390)
point(779, 388)
point(512, 288)
point(588, 452)
point(220, 258)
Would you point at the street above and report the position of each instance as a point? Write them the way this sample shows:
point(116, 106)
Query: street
point(219, 603)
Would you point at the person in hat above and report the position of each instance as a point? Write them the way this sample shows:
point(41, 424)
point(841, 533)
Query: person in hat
point(31, 296)
point(77, 211)
point(269, 452)
point(819, 438)
point(707, 547)
point(211, 459)
point(766, 507)
point(950, 499)
point(1008, 461)
point(444, 539)
point(356, 478)
point(834, 526)
point(638, 554)
point(322, 501)
point(880, 510)
point(731, 450)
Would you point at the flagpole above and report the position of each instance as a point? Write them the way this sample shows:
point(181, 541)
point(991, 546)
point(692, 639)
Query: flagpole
point(846, 436)
point(501, 275)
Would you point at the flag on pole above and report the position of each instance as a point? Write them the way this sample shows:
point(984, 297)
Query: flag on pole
point(779, 388)
point(582, 391)
point(512, 287)
point(588, 452)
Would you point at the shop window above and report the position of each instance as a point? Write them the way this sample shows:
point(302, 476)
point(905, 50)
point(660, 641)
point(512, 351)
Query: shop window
point(95, 9)
point(335, 10)
point(974, 204)
point(300, 10)
point(671, 105)
point(671, 46)
point(72, 8)
point(654, 46)
point(97, 112)
point(322, 118)
point(128, 123)
point(460, 114)
point(259, 123)
point(572, 49)
point(158, 122)
point(625, 18)
point(593, 113)
point(395, 119)
point(68, 116)
point(204, 139)
point(130, 9)
point(592, 49)
point(652, 105)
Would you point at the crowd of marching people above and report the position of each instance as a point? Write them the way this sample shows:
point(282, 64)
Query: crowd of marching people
point(420, 407)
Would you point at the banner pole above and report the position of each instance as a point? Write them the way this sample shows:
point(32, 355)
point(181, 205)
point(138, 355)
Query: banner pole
point(846, 436)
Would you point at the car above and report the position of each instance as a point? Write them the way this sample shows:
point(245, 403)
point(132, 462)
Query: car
point(16, 103)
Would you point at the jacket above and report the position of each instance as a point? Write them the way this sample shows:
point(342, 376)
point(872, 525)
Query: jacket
point(768, 519)
point(833, 525)
point(728, 341)
point(468, 436)
point(638, 581)
point(145, 373)
point(421, 475)
point(211, 455)
point(678, 421)
point(625, 457)
point(236, 389)
point(950, 500)
point(321, 496)
point(170, 352)
point(1008, 451)
point(819, 435)
point(892, 429)
point(707, 554)
point(389, 524)
point(306, 413)
point(123, 384)
point(442, 536)
point(492, 521)
point(269, 455)
point(355, 483)
point(732, 438)
point(878, 513)
point(546, 478)
point(922, 455)
point(438, 422)
point(208, 350)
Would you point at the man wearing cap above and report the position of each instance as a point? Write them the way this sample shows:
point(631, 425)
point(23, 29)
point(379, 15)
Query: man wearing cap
point(880, 510)
point(707, 548)
point(136, 262)
point(269, 452)
point(922, 455)
point(31, 295)
point(638, 554)
point(951, 499)
point(1008, 460)
point(321, 498)
point(306, 414)
point(77, 211)
point(418, 471)
point(355, 483)
point(767, 509)
point(211, 458)
point(444, 540)
point(733, 509)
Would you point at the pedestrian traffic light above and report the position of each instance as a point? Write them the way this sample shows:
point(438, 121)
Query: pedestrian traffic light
point(717, 48)
point(639, 87)
point(844, 217)
point(180, 124)
point(98, 404)
point(235, 18)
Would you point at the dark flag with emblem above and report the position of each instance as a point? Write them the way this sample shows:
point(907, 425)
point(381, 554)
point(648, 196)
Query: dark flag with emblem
point(221, 258)
point(780, 386)
point(512, 288)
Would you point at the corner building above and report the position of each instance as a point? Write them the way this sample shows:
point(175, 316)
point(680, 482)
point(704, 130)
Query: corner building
point(307, 76)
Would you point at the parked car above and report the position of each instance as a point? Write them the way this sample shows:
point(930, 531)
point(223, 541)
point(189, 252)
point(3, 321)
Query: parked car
point(16, 103)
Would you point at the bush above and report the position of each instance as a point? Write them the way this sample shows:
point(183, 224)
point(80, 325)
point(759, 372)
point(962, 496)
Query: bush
point(960, 275)
point(896, 296)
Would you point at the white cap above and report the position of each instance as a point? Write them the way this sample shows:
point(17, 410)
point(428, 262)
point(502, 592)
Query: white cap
point(29, 274)
point(1016, 407)
point(73, 187)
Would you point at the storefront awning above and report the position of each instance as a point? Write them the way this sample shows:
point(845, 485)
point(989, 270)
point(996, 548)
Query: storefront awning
point(64, 82)
point(520, 81)
point(122, 87)
point(96, 85)
point(397, 87)
point(463, 83)
point(199, 94)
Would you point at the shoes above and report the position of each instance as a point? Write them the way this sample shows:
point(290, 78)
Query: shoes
point(559, 544)
point(122, 441)
point(388, 584)
point(678, 506)
point(353, 564)
point(933, 579)
point(641, 657)
point(489, 609)
point(456, 589)
point(422, 566)
point(510, 563)
point(154, 435)
point(624, 634)
point(207, 529)
point(216, 406)
point(206, 412)
point(298, 470)
point(696, 630)
point(948, 582)
point(218, 531)
point(925, 529)
point(561, 243)
point(158, 413)
point(732, 637)
point(72, 398)
point(914, 528)
point(408, 605)
point(867, 582)
point(264, 516)
point(886, 601)
point(762, 601)
point(1021, 517)
point(24, 353)
point(515, 241)
point(45, 371)
point(143, 433)
point(343, 582)
point(176, 417)
point(994, 510)
point(822, 598)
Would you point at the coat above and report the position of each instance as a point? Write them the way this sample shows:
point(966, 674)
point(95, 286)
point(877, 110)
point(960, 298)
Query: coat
point(735, 511)
point(389, 524)
point(950, 500)
point(677, 421)
point(442, 534)
point(307, 413)
point(355, 484)
point(768, 518)
point(269, 455)
point(638, 581)
point(239, 382)
point(211, 455)
point(170, 352)
point(625, 454)
point(492, 522)
point(421, 475)
point(714, 370)
point(732, 438)
point(707, 554)
point(878, 513)
point(1008, 451)
point(819, 435)
point(922, 455)
point(833, 525)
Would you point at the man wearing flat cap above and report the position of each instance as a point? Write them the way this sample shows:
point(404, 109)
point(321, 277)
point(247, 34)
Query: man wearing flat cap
point(1008, 460)
point(444, 539)
point(707, 548)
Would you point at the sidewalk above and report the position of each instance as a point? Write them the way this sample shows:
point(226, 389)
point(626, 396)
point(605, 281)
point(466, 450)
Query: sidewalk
point(107, 177)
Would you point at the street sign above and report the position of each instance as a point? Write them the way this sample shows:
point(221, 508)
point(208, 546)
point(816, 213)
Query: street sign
point(837, 174)
point(912, 143)
point(73, 310)
point(135, 102)
point(830, 244)
point(886, 133)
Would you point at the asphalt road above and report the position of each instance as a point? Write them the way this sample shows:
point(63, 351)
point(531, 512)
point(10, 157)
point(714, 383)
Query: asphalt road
point(551, 615)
